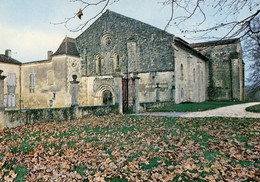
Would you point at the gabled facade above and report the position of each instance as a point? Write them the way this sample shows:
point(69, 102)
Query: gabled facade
point(118, 44)
point(119, 60)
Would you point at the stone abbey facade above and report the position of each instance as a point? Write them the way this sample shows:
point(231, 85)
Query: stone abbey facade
point(119, 60)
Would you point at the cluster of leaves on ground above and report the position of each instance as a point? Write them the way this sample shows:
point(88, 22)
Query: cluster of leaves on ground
point(255, 108)
point(192, 107)
point(131, 148)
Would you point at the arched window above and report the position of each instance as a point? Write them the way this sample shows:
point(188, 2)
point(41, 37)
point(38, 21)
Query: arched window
point(201, 76)
point(107, 97)
point(194, 74)
point(98, 65)
point(116, 62)
point(182, 72)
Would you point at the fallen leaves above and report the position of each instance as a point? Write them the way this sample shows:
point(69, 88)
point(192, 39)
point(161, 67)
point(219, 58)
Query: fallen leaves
point(132, 148)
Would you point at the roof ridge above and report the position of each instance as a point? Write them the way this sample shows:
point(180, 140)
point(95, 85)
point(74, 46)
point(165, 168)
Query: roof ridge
point(127, 17)
point(218, 42)
point(67, 47)
point(5, 59)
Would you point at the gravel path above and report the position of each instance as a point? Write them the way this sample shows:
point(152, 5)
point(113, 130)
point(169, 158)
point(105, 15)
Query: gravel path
point(237, 111)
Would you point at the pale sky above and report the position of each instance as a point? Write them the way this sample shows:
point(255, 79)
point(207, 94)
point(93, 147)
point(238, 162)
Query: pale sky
point(26, 29)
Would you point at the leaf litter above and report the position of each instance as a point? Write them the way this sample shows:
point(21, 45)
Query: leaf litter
point(132, 148)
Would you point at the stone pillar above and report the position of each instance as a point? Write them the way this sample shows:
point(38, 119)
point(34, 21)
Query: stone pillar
point(157, 92)
point(137, 103)
point(2, 115)
point(74, 91)
point(118, 90)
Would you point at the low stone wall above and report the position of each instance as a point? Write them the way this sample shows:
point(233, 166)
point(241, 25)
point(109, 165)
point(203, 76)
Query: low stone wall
point(2, 118)
point(154, 105)
point(16, 118)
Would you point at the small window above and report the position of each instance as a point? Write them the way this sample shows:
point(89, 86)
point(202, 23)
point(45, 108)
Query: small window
point(11, 79)
point(182, 74)
point(202, 77)
point(11, 100)
point(50, 78)
point(107, 97)
point(194, 74)
point(182, 93)
point(5, 100)
point(85, 51)
point(11, 83)
point(116, 62)
point(98, 65)
point(32, 83)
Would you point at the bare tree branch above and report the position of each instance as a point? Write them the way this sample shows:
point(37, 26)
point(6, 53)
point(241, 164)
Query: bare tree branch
point(196, 10)
point(85, 5)
point(172, 4)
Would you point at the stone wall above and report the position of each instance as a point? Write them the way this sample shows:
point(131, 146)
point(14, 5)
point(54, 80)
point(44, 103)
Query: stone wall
point(16, 118)
point(226, 69)
point(2, 119)
point(47, 83)
point(115, 40)
point(156, 86)
point(154, 105)
point(191, 79)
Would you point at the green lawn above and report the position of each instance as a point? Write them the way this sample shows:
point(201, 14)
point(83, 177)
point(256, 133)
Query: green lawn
point(255, 108)
point(192, 107)
point(132, 148)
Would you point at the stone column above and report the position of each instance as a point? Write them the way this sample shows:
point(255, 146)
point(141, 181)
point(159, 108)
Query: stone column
point(157, 92)
point(74, 91)
point(118, 90)
point(137, 103)
point(2, 115)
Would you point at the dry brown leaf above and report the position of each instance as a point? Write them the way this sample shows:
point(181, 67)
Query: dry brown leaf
point(206, 169)
point(178, 169)
point(98, 174)
point(170, 176)
point(210, 178)
point(12, 174)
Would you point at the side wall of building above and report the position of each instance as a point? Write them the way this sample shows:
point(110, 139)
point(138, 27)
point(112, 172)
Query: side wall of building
point(191, 77)
point(226, 70)
point(156, 86)
point(46, 84)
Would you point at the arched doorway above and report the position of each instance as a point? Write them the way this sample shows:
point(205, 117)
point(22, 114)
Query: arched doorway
point(107, 97)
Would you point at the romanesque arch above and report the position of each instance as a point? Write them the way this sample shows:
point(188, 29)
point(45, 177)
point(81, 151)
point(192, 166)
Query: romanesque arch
point(104, 95)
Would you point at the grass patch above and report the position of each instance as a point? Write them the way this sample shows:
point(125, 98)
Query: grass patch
point(21, 172)
point(193, 107)
point(255, 108)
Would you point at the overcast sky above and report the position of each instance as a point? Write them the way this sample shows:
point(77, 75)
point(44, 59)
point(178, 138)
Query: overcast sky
point(26, 26)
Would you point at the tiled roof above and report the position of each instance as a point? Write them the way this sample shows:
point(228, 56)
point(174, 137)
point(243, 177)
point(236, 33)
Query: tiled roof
point(5, 59)
point(68, 47)
point(217, 42)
